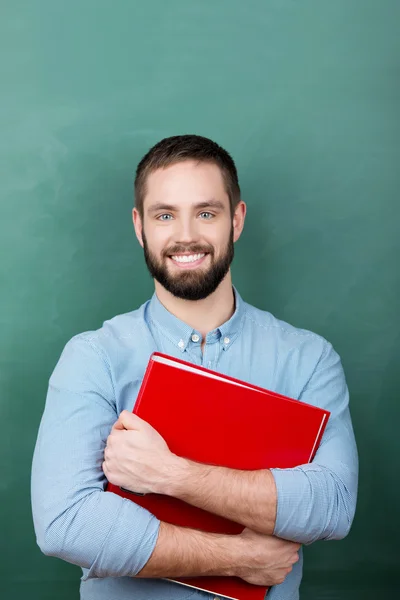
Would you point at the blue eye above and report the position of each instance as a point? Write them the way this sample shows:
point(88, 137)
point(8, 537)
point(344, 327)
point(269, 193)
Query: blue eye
point(207, 213)
point(164, 215)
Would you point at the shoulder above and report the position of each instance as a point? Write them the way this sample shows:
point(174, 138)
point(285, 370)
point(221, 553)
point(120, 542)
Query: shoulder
point(93, 355)
point(121, 331)
point(286, 337)
point(269, 323)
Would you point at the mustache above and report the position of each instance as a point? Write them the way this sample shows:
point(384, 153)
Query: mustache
point(192, 249)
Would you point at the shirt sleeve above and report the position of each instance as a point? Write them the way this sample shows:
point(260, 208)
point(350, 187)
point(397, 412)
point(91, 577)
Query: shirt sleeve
point(74, 518)
point(317, 501)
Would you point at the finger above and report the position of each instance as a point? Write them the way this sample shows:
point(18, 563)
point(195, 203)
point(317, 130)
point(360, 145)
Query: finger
point(126, 420)
point(117, 425)
point(130, 421)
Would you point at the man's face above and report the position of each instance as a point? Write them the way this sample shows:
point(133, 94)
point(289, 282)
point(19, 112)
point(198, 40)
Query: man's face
point(188, 236)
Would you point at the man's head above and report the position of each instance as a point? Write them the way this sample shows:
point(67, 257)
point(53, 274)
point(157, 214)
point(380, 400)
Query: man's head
point(187, 203)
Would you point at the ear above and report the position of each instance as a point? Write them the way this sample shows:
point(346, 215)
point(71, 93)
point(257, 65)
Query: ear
point(238, 220)
point(138, 225)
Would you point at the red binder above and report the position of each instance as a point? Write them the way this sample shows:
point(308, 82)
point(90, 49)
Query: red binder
point(212, 418)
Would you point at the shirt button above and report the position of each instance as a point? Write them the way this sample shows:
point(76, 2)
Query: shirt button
point(181, 343)
point(226, 340)
point(195, 337)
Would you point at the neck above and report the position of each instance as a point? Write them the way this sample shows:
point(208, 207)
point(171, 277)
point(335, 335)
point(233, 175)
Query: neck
point(203, 315)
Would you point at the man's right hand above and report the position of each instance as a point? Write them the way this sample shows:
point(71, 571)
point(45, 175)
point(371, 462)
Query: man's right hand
point(255, 557)
point(265, 559)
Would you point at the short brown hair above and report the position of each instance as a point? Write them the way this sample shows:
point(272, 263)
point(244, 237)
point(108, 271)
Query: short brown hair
point(179, 148)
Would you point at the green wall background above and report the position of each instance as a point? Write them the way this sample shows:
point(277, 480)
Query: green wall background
point(306, 97)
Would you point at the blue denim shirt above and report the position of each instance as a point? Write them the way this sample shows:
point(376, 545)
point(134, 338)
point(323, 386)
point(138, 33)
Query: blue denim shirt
point(99, 374)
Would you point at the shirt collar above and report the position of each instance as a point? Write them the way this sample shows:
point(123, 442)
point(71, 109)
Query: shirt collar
point(180, 333)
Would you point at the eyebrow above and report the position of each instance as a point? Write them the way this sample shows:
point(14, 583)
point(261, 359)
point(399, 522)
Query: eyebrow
point(216, 204)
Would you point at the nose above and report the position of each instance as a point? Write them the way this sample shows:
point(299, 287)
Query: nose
point(186, 232)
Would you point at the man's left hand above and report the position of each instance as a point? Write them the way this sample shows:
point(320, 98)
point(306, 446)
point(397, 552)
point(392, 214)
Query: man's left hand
point(136, 456)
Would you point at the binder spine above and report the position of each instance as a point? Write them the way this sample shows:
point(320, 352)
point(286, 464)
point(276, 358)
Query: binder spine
point(318, 437)
point(150, 365)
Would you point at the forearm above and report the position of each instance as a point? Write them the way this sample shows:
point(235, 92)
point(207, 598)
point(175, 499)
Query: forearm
point(257, 559)
point(182, 552)
point(246, 497)
point(303, 504)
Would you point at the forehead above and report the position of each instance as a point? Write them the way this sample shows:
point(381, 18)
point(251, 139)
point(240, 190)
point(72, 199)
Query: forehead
point(186, 181)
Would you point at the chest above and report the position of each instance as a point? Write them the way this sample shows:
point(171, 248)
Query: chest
point(254, 361)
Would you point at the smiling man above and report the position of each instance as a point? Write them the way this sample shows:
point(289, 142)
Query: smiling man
point(188, 215)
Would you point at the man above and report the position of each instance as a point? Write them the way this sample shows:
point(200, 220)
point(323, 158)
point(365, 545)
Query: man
point(188, 214)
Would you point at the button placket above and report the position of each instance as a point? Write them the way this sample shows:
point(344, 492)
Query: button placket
point(210, 355)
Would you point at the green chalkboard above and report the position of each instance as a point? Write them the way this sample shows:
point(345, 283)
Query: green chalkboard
point(306, 96)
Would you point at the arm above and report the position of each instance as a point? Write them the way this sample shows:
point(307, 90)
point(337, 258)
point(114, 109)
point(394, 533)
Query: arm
point(258, 559)
point(304, 504)
point(184, 552)
point(317, 501)
point(77, 521)
point(74, 518)
point(246, 497)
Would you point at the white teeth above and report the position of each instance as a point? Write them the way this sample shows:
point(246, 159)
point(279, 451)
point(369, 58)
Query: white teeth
point(187, 258)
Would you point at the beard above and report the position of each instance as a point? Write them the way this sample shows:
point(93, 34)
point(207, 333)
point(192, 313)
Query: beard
point(191, 284)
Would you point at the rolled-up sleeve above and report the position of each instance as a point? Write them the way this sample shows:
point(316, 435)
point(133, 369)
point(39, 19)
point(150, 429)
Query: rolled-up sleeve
point(317, 501)
point(74, 518)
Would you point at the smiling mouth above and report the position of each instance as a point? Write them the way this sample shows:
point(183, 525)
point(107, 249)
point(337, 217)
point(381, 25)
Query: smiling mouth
point(188, 260)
